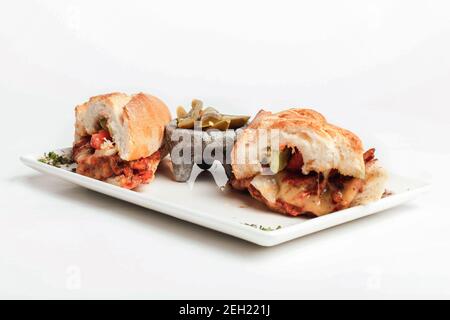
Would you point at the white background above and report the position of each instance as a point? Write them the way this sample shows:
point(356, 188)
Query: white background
point(379, 68)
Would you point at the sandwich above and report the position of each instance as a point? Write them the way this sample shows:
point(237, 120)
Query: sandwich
point(118, 138)
point(297, 163)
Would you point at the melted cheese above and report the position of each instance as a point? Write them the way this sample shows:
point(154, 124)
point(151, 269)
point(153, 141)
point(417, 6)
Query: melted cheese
point(272, 188)
point(299, 197)
point(107, 149)
point(268, 186)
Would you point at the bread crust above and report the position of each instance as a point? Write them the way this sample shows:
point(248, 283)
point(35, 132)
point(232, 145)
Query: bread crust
point(136, 122)
point(146, 116)
point(374, 184)
point(323, 145)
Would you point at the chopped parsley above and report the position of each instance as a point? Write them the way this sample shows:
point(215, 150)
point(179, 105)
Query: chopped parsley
point(263, 228)
point(56, 160)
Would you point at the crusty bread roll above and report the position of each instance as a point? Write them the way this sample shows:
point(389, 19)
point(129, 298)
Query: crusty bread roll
point(333, 161)
point(136, 122)
point(323, 145)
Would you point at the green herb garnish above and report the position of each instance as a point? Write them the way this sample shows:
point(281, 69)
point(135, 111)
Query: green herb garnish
point(56, 160)
point(262, 227)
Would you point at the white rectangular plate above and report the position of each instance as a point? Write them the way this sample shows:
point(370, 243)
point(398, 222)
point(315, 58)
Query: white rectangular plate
point(209, 203)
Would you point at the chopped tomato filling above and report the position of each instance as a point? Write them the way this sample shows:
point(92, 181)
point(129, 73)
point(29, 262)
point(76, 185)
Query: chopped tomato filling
point(97, 139)
point(295, 162)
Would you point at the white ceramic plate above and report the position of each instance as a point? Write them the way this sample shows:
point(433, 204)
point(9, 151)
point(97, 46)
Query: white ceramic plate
point(206, 201)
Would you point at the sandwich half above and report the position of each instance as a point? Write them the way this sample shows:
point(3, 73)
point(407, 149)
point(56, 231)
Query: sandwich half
point(118, 138)
point(296, 163)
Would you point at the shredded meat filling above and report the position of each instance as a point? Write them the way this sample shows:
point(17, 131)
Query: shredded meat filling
point(127, 174)
point(324, 194)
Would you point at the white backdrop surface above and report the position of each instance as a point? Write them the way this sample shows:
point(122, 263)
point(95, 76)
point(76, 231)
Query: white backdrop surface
point(379, 68)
